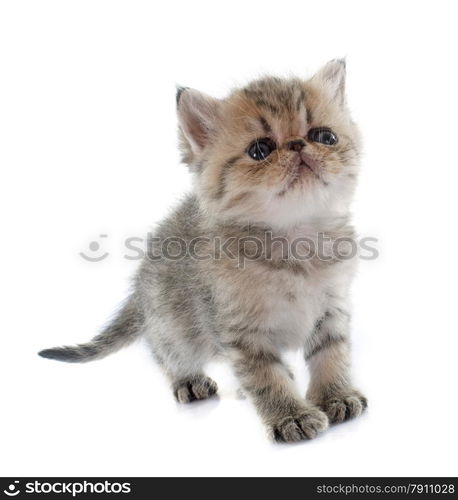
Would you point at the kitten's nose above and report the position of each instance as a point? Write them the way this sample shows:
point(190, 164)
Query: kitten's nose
point(296, 145)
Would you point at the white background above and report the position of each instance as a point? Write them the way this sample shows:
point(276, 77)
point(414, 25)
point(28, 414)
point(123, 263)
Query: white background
point(88, 147)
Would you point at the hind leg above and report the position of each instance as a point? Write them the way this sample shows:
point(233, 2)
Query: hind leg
point(183, 356)
point(194, 388)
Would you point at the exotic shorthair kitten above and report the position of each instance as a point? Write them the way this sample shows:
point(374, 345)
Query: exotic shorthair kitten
point(237, 269)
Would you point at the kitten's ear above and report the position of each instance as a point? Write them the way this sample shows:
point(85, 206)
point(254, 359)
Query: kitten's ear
point(198, 115)
point(331, 77)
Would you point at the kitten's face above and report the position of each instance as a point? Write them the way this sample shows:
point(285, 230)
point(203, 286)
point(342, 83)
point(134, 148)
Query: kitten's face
point(276, 152)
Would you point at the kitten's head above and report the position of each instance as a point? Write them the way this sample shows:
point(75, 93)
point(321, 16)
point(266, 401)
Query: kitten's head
point(276, 152)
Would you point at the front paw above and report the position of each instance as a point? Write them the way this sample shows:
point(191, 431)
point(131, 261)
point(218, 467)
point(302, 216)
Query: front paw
point(343, 406)
point(304, 425)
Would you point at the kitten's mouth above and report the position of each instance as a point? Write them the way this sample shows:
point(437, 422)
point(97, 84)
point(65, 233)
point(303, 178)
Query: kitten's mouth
point(304, 168)
point(308, 163)
point(303, 164)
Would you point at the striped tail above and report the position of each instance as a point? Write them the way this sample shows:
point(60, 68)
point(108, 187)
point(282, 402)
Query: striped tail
point(124, 329)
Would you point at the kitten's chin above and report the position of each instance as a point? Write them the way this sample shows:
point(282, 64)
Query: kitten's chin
point(301, 197)
point(300, 205)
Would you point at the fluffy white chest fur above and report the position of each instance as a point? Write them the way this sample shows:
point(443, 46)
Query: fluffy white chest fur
point(293, 303)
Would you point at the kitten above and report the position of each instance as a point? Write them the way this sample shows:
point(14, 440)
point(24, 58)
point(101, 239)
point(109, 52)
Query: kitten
point(275, 166)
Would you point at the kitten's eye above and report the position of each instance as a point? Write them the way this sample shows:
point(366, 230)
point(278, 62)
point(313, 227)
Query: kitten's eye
point(260, 149)
point(323, 135)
